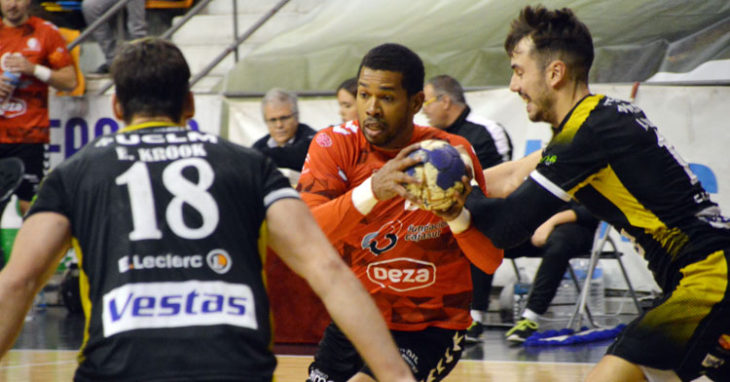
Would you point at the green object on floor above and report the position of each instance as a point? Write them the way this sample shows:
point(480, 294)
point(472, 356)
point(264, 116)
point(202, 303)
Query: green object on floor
point(7, 237)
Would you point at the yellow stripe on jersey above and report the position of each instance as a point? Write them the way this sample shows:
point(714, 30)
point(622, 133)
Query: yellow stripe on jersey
point(84, 293)
point(145, 125)
point(577, 118)
point(610, 187)
point(263, 244)
point(703, 285)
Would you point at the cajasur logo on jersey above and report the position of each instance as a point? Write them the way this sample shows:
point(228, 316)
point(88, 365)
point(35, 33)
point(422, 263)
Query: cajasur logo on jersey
point(177, 304)
point(384, 239)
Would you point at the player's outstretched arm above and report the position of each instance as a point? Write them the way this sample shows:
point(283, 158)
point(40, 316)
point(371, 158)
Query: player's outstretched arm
point(39, 246)
point(504, 178)
point(295, 236)
point(62, 79)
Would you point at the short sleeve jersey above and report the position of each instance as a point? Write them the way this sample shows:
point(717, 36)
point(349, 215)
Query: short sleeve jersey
point(612, 159)
point(25, 116)
point(168, 227)
point(407, 258)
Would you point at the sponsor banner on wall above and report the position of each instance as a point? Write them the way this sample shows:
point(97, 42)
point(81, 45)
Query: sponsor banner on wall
point(77, 121)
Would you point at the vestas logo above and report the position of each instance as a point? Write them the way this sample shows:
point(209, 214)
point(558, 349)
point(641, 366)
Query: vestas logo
point(384, 239)
point(177, 304)
point(402, 274)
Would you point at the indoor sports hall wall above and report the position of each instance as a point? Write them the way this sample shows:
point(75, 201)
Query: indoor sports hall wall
point(692, 118)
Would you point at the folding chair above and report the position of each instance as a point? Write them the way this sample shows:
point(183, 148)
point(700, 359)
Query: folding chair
point(600, 240)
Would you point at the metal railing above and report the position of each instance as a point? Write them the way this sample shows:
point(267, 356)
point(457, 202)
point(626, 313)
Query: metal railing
point(233, 47)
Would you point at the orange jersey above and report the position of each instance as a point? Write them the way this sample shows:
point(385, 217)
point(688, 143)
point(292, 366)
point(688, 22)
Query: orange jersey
point(415, 268)
point(25, 117)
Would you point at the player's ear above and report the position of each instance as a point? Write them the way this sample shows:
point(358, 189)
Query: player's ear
point(117, 108)
point(416, 102)
point(188, 110)
point(556, 72)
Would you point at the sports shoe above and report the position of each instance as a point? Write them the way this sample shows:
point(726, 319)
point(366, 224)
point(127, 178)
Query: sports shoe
point(11, 174)
point(473, 332)
point(521, 331)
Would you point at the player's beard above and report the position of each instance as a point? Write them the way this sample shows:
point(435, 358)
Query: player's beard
point(540, 105)
point(380, 133)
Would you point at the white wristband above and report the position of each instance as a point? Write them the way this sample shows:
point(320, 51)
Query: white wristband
point(363, 197)
point(461, 223)
point(42, 73)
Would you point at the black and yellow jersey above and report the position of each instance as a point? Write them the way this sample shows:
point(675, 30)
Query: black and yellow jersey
point(168, 227)
point(608, 155)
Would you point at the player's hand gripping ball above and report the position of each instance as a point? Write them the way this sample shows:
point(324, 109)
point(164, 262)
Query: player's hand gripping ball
point(440, 173)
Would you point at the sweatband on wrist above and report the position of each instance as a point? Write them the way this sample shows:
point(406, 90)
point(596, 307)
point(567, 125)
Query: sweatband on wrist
point(461, 223)
point(363, 198)
point(42, 73)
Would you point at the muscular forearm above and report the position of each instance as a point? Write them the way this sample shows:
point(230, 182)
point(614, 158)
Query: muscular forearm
point(63, 79)
point(31, 264)
point(16, 298)
point(503, 179)
point(479, 250)
point(510, 221)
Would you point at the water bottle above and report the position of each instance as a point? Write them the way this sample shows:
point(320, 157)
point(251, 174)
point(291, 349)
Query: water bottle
point(596, 296)
point(15, 81)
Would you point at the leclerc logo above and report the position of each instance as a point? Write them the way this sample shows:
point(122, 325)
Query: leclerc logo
point(219, 261)
point(402, 274)
point(177, 304)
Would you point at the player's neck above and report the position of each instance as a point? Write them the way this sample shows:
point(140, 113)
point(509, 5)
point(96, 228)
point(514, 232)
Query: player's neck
point(566, 101)
point(11, 24)
point(137, 120)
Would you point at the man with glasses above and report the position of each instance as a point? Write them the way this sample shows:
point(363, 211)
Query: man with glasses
point(288, 140)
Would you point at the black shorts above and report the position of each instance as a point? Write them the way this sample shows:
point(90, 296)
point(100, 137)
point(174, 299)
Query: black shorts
point(35, 159)
point(431, 354)
point(689, 331)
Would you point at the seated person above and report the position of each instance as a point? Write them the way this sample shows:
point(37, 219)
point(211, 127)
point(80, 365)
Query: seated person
point(346, 96)
point(567, 234)
point(288, 140)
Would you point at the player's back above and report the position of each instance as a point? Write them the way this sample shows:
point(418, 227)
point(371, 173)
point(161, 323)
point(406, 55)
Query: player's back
point(166, 222)
point(614, 160)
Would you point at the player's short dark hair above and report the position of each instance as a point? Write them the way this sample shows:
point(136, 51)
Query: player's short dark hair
point(445, 84)
point(557, 34)
point(151, 78)
point(397, 58)
point(349, 85)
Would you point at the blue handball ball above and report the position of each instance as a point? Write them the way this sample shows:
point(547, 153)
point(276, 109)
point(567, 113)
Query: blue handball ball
point(440, 174)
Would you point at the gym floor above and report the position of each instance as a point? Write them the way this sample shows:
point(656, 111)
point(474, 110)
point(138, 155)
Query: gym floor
point(46, 351)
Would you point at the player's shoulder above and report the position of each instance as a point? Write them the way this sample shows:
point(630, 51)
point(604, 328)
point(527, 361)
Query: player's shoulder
point(42, 25)
point(610, 113)
point(476, 119)
point(344, 136)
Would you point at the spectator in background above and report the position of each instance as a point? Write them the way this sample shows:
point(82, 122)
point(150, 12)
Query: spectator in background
point(346, 97)
point(567, 234)
point(33, 56)
point(446, 109)
point(106, 35)
point(288, 140)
